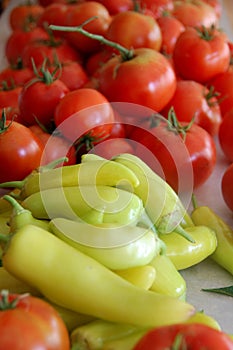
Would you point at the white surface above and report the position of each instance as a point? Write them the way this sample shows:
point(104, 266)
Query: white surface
point(207, 274)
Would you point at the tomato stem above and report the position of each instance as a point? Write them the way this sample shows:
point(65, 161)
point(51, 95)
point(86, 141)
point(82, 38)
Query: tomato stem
point(5, 303)
point(125, 53)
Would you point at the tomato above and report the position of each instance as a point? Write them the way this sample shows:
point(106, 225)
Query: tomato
point(206, 55)
point(17, 41)
point(96, 60)
point(82, 112)
point(112, 147)
point(217, 6)
point(195, 13)
point(146, 79)
point(194, 100)
point(55, 147)
point(17, 75)
point(54, 13)
point(140, 30)
point(21, 151)
point(39, 98)
point(171, 28)
point(117, 6)
point(31, 324)
point(225, 135)
point(156, 8)
point(179, 152)
point(77, 15)
point(53, 50)
point(9, 95)
point(22, 16)
point(193, 336)
point(223, 85)
point(12, 113)
point(227, 186)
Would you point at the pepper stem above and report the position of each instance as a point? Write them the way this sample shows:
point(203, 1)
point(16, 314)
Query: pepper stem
point(125, 53)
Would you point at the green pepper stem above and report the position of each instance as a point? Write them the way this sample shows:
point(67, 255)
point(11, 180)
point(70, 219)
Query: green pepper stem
point(181, 231)
point(126, 54)
point(17, 207)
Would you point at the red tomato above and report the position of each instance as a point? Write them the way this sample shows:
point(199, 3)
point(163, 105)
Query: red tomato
point(171, 28)
point(9, 95)
point(194, 100)
point(19, 39)
point(72, 74)
point(156, 8)
point(39, 98)
point(77, 15)
point(140, 30)
point(146, 79)
point(206, 55)
point(54, 13)
point(223, 85)
point(17, 75)
point(84, 112)
point(21, 152)
point(195, 13)
point(225, 135)
point(53, 50)
point(25, 15)
point(112, 147)
point(55, 147)
point(178, 154)
point(117, 6)
point(12, 113)
point(96, 60)
point(217, 6)
point(227, 186)
point(32, 324)
point(188, 336)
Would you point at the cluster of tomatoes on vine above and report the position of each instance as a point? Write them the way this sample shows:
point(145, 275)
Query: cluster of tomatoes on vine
point(165, 56)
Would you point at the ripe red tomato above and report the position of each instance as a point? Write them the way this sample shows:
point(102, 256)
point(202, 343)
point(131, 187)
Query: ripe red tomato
point(21, 151)
point(55, 147)
point(225, 135)
point(18, 75)
point(25, 15)
point(72, 74)
point(179, 155)
point(227, 186)
point(194, 100)
point(82, 112)
point(156, 8)
point(112, 147)
point(147, 79)
point(19, 39)
point(140, 30)
point(117, 6)
point(171, 28)
point(187, 336)
point(9, 95)
point(77, 14)
point(39, 98)
point(206, 55)
point(32, 324)
point(223, 85)
point(195, 13)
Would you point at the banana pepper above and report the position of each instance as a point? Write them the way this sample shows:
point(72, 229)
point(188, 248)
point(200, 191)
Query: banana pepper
point(75, 281)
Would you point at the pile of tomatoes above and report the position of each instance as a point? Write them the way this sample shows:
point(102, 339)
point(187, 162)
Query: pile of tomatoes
point(65, 93)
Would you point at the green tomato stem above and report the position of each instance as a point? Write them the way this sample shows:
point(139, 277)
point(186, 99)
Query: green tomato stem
point(125, 53)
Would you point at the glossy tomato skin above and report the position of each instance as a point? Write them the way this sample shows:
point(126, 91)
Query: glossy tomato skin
point(20, 154)
point(223, 85)
point(156, 8)
point(147, 79)
point(195, 153)
point(140, 30)
point(227, 186)
point(204, 58)
point(84, 111)
point(16, 75)
point(9, 97)
point(171, 28)
point(72, 74)
point(225, 135)
point(117, 6)
point(195, 13)
point(193, 337)
point(39, 100)
point(194, 100)
point(32, 324)
point(77, 15)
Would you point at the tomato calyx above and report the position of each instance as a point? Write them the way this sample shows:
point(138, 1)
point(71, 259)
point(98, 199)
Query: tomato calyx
point(206, 33)
point(210, 95)
point(125, 53)
point(3, 125)
point(43, 75)
point(174, 125)
point(5, 303)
